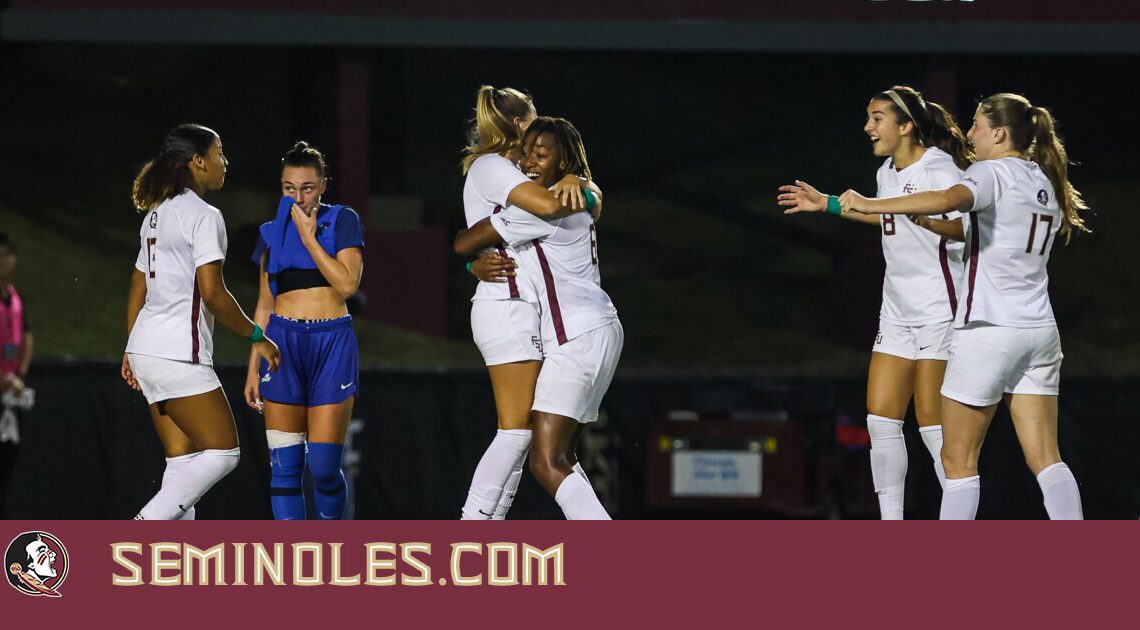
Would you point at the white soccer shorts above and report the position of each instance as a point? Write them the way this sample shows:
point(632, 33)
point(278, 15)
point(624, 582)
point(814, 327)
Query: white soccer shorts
point(506, 331)
point(927, 341)
point(164, 379)
point(987, 361)
point(576, 374)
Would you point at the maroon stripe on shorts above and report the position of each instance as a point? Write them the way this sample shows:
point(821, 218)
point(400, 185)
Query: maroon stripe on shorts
point(551, 295)
point(974, 239)
point(511, 284)
point(196, 309)
point(944, 260)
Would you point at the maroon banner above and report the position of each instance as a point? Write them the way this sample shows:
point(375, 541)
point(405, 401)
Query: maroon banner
point(726, 10)
point(559, 574)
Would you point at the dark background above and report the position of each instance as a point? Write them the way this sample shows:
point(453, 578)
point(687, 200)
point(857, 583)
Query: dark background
point(692, 113)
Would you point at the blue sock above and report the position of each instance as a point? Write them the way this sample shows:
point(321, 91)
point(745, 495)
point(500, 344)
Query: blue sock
point(329, 488)
point(287, 464)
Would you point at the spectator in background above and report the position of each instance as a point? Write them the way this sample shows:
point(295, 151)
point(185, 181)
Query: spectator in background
point(16, 347)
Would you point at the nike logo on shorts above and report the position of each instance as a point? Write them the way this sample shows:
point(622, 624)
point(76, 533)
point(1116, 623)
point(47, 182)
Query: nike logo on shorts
point(346, 386)
point(921, 348)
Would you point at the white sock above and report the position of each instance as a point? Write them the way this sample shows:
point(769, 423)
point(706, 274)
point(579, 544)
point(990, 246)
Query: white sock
point(493, 473)
point(510, 489)
point(182, 491)
point(888, 464)
point(577, 467)
point(1062, 498)
point(578, 501)
point(932, 438)
point(173, 466)
point(960, 499)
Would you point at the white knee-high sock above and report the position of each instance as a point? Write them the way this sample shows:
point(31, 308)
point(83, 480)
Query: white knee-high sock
point(493, 473)
point(578, 469)
point(960, 499)
point(510, 489)
point(578, 502)
point(173, 466)
point(1062, 498)
point(195, 478)
point(932, 438)
point(888, 464)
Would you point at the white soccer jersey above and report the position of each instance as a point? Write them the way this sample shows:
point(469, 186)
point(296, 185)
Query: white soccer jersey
point(180, 235)
point(1009, 233)
point(490, 180)
point(924, 270)
point(562, 257)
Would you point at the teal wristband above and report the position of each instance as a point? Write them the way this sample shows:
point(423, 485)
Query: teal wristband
point(468, 267)
point(257, 335)
point(591, 198)
point(833, 205)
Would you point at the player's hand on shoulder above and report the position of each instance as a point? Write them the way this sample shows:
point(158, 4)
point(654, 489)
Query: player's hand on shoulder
point(491, 267)
point(801, 197)
point(569, 192)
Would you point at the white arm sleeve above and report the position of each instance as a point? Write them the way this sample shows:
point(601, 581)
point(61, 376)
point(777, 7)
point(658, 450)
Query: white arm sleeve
point(141, 261)
point(494, 178)
point(944, 179)
point(208, 238)
point(982, 182)
point(517, 226)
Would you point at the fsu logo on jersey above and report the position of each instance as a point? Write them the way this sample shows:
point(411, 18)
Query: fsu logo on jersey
point(909, 188)
point(154, 219)
point(1042, 197)
point(37, 564)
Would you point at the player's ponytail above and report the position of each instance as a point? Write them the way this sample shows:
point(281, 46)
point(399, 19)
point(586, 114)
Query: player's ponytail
point(1032, 130)
point(168, 173)
point(494, 129)
point(942, 131)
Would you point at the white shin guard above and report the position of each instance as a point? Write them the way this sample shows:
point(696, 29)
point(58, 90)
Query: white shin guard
point(578, 501)
point(888, 464)
point(932, 438)
point(1062, 498)
point(960, 499)
point(179, 494)
point(493, 474)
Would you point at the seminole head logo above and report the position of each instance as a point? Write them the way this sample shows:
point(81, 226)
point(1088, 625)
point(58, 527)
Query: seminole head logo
point(36, 564)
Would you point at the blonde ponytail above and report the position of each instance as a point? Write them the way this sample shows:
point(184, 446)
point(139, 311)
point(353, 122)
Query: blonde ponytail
point(494, 129)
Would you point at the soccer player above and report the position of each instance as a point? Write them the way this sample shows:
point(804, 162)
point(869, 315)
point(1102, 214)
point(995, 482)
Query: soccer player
point(311, 259)
point(176, 292)
point(1005, 344)
point(505, 315)
point(581, 334)
point(925, 150)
